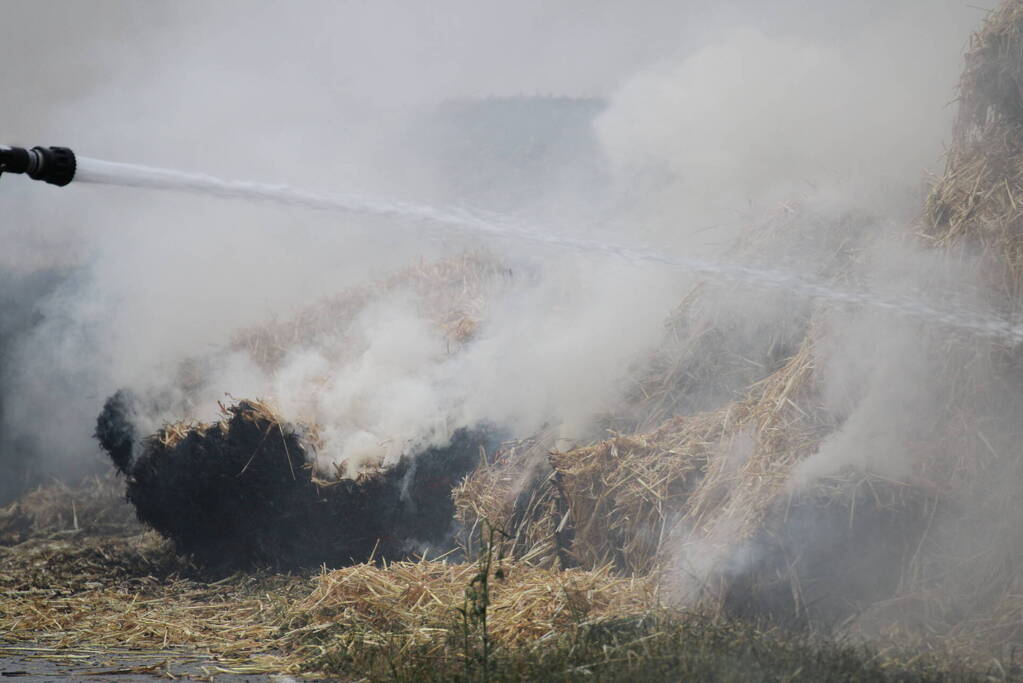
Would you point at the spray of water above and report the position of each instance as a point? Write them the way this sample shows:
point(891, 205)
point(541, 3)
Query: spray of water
point(502, 227)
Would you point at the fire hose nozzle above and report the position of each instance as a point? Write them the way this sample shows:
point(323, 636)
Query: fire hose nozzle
point(55, 165)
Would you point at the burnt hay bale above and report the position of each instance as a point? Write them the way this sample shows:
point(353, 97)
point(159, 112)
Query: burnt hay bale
point(115, 429)
point(239, 494)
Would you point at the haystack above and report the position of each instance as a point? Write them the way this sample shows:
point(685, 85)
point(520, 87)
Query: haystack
point(713, 486)
point(706, 501)
point(710, 500)
point(240, 492)
point(452, 293)
point(977, 202)
point(712, 351)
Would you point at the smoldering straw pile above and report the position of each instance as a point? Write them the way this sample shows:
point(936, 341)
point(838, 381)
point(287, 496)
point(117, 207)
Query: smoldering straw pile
point(245, 491)
point(737, 508)
point(241, 492)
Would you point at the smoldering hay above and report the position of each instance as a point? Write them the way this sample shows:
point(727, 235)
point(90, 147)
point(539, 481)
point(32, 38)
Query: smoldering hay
point(879, 495)
point(239, 493)
point(254, 489)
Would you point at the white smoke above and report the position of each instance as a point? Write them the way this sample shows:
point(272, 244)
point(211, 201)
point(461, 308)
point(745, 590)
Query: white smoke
point(711, 116)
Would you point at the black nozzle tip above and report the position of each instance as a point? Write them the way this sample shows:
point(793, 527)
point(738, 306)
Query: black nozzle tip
point(54, 165)
point(57, 167)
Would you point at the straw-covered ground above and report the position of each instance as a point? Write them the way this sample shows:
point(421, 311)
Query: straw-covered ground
point(82, 582)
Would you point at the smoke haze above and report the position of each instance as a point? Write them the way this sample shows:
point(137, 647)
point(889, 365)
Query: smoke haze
point(686, 125)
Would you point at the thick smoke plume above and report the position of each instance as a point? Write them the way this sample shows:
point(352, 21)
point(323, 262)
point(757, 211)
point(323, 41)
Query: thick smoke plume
point(699, 120)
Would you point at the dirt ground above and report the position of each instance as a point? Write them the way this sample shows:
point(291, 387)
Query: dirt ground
point(38, 664)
